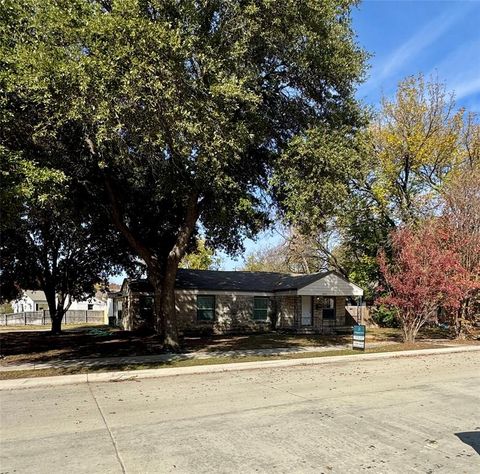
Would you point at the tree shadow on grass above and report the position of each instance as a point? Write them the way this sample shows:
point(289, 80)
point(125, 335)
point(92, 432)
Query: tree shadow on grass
point(270, 340)
point(38, 346)
point(472, 438)
point(87, 342)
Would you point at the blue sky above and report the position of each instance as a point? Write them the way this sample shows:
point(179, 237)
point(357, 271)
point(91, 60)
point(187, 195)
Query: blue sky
point(439, 38)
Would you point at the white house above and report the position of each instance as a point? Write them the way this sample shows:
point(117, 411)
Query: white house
point(36, 301)
point(30, 301)
point(90, 304)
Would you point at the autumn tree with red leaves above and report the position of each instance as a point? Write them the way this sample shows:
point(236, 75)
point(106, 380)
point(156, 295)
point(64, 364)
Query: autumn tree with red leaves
point(461, 220)
point(423, 275)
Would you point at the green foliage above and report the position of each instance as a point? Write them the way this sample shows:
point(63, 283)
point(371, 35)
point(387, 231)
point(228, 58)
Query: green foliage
point(51, 239)
point(313, 177)
point(346, 192)
point(175, 98)
point(385, 317)
point(203, 258)
point(418, 143)
point(6, 308)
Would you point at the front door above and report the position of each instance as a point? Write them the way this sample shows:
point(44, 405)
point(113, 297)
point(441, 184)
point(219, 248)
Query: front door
point(306, 310)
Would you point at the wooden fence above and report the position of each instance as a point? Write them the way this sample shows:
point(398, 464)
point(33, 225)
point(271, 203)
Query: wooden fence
point(42, 318)
point(361, 314)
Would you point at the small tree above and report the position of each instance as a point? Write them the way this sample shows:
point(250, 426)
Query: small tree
point(50, 243)
point(423, 276)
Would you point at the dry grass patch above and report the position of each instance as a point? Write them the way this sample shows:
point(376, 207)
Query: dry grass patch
point(210, 361)
point(82, 342)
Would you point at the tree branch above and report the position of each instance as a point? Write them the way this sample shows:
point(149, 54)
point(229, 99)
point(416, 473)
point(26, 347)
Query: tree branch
point(118, 219)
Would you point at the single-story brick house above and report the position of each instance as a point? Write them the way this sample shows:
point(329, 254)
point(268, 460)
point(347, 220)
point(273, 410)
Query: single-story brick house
point(230, 301)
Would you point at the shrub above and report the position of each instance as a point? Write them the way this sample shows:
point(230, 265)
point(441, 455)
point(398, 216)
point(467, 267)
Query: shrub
point(385, 317)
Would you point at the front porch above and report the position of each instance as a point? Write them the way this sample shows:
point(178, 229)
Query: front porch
point(314, 314)
point(319, 308)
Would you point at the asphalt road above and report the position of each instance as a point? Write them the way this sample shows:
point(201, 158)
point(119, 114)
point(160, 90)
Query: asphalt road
point(399, 415)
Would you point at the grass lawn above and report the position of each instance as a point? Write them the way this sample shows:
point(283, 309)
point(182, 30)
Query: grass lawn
point(46, 327)
point(102, 341)
point(211, 361)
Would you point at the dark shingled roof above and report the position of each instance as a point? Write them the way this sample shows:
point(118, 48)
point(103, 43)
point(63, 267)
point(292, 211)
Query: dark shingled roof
point(234, 281)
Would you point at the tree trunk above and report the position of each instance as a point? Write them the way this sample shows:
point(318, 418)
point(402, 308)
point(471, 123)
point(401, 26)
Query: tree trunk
point(57, 324)
point(461, 316)
point(408, 336)
point(165, 318)
point(156, 283)
point(168, 316)
point(409, 333)
point(56, 327)
point(162, 280)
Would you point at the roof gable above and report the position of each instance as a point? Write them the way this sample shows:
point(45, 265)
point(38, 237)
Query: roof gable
point(35, 295)
point(331, 284)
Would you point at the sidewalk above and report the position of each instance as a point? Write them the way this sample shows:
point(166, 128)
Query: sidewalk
point(130, 375)
point(151, 359)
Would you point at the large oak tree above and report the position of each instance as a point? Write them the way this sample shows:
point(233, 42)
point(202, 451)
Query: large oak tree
point(189, 113)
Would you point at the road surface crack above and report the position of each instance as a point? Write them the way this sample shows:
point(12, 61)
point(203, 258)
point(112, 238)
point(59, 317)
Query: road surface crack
point(115, 447)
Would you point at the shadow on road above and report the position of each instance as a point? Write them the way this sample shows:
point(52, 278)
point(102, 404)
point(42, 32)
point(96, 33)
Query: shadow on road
point(472, 438)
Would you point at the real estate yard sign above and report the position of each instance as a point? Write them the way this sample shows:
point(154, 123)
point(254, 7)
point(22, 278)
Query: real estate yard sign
point(359, 332)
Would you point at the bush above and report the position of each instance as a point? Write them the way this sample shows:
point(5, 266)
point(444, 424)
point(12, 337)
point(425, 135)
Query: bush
point(385, 317)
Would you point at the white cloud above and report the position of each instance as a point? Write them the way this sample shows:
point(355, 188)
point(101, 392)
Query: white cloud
point(466, 88)
point(411, 48)
point(461, 70)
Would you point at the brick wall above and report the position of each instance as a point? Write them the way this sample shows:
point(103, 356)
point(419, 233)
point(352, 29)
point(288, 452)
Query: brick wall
point(133, 318)
point(233, 313)
point(288, 311)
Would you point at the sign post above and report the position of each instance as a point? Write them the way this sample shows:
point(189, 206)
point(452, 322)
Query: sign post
point(359, 332)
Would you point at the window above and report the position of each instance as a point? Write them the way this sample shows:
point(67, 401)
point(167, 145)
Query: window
point(89, 306)
point(328, 307)
point(145, 308)
point(260, 308)
point(205, 308)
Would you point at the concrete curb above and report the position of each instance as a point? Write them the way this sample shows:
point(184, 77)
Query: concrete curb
point(120, 376)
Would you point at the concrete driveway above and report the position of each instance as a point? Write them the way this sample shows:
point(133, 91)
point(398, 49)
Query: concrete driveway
point(399, 415)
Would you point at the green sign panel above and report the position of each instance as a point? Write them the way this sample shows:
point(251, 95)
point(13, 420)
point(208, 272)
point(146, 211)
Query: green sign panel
point(359, 333)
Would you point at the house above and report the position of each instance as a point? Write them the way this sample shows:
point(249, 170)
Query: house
point(90, 304)
point(230, 301)
point(36, 301)
point(114, 307)
point(30, 301)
